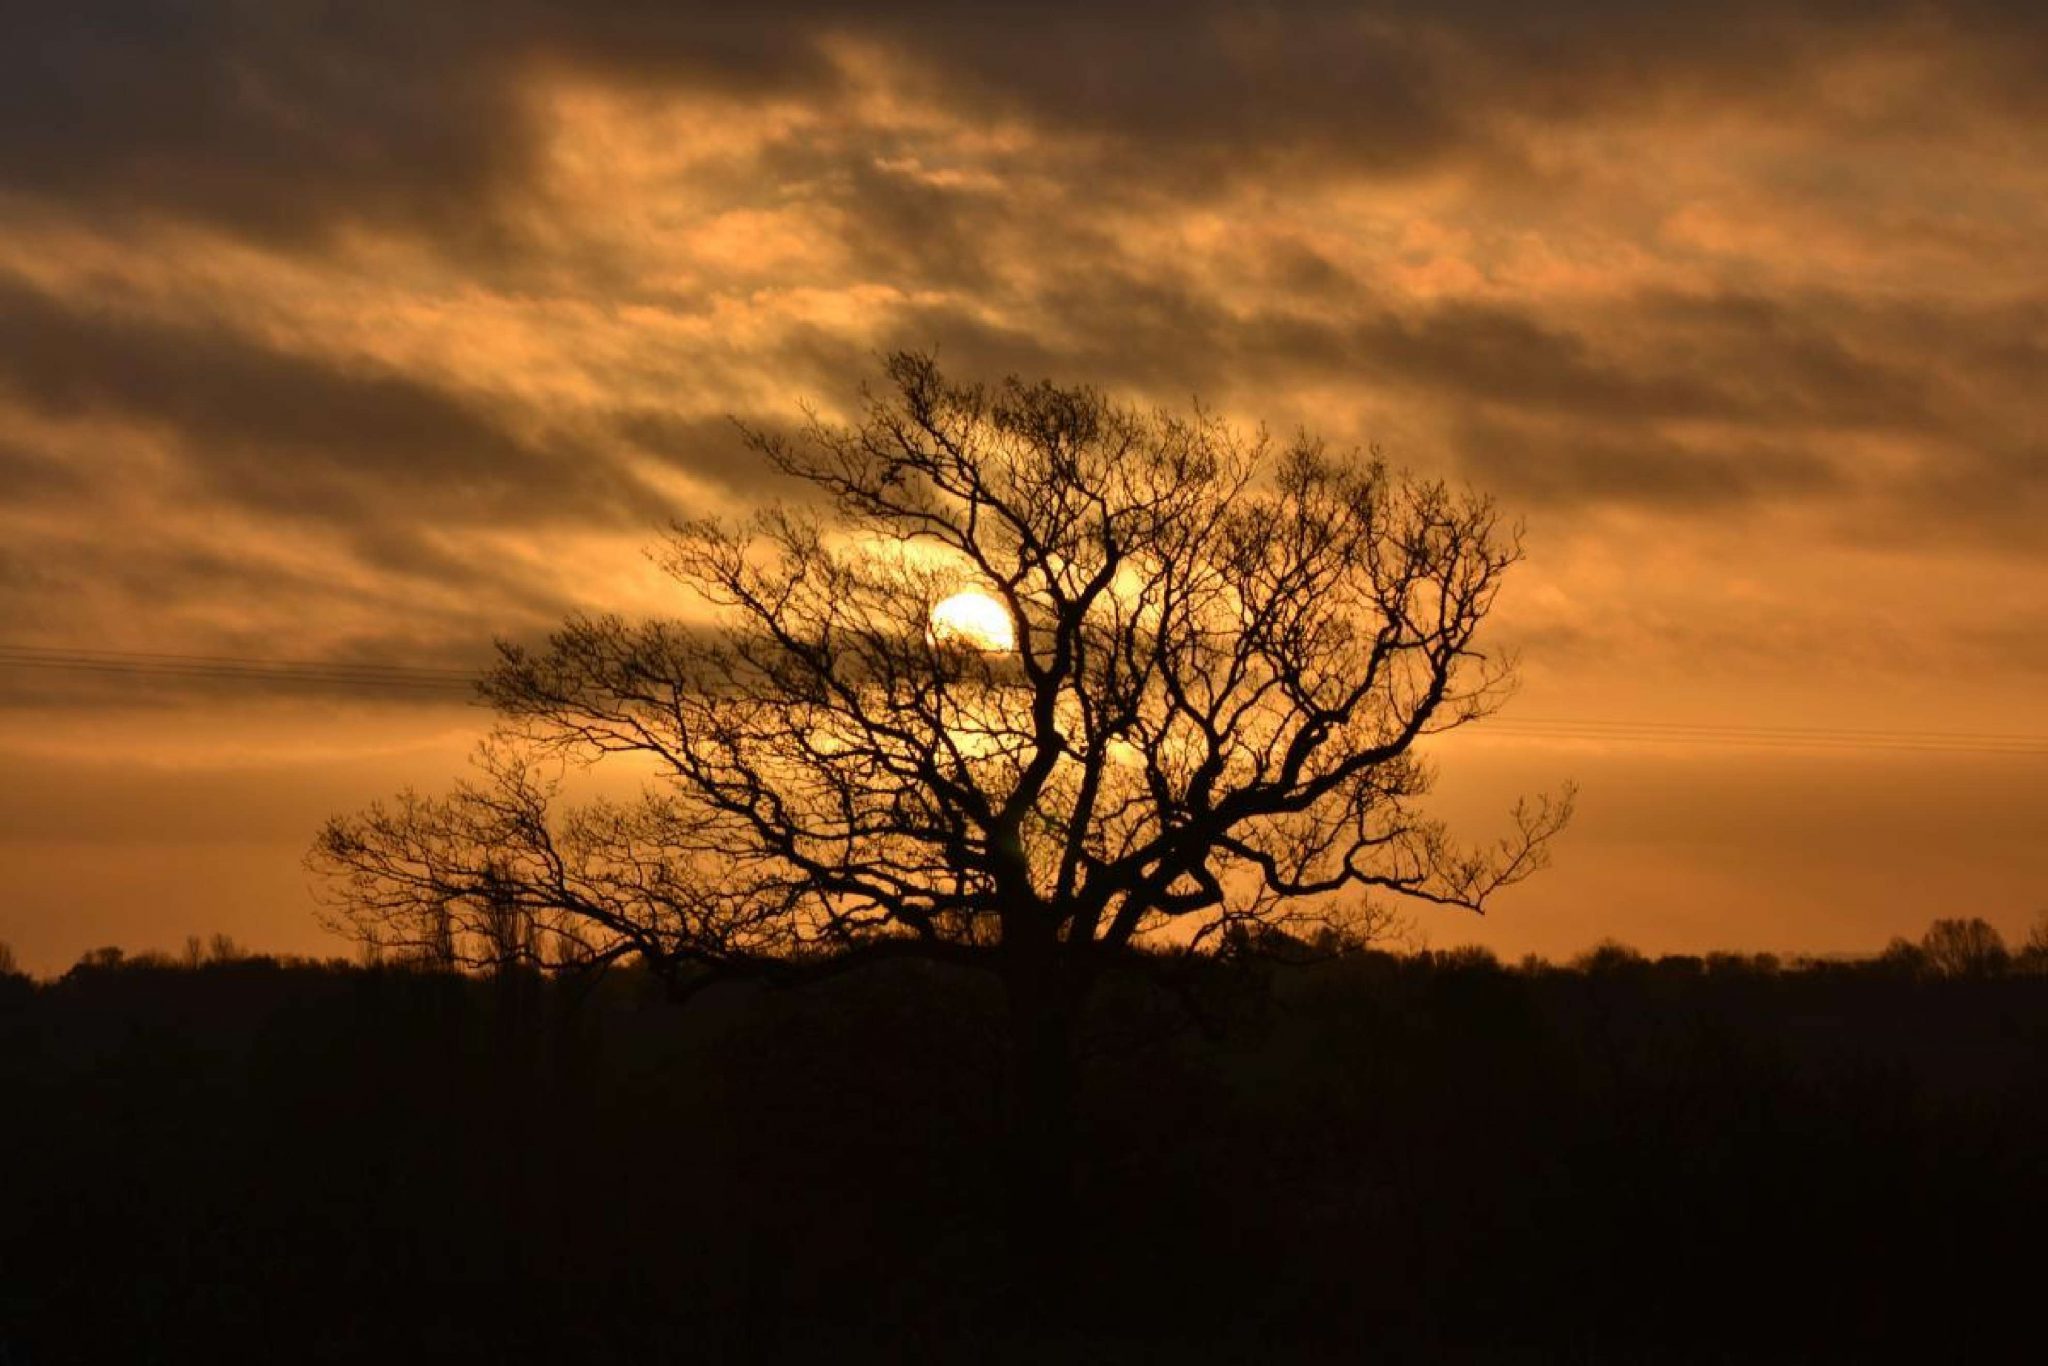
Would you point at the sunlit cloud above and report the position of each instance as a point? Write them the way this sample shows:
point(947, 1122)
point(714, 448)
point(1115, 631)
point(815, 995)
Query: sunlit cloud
point(379, 340)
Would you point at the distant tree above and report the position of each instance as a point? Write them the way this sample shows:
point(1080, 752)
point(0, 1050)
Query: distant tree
point(2034, 953)
point(1365, 927)
point(215, 948)
point(9, 967)
point(1964, 948)
point(1902, 956)
point(1609, 955)
point(1183, 696)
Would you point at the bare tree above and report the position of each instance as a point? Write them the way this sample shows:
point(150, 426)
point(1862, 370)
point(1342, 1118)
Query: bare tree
point(1185, 696)
point(1964, 948)
point(2036, 947)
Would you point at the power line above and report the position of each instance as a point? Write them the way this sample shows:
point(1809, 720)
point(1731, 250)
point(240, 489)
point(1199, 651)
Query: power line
point(449, 681)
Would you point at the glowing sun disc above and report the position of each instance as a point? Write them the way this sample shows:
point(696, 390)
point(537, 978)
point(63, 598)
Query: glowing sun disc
point(976, 620)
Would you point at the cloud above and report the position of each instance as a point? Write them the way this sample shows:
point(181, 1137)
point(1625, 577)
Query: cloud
point(385, 301)
point(292, 434)
point(30, 476)
point(288, 119)
point(371, 331)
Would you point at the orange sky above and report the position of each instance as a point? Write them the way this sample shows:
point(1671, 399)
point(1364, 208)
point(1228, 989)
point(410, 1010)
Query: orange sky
point(370, 334)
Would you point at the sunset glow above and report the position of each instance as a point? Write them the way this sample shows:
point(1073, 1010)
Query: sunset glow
point(378, 341)
point(975, 619)
point(1080, 681)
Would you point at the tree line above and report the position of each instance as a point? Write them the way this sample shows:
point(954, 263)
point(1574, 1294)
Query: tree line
point(1961, 946)
point(1289, 1152)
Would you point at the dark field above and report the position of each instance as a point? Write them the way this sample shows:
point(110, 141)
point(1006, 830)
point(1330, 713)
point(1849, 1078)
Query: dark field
point(1371, 1158)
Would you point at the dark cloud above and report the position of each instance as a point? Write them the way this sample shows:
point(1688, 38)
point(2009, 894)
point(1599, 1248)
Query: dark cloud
point(286, 122)
point(53, 691)
point(707, 447)
point(295, 434)
point(28, 476)
point(1573, 466)
point(1163, 327)
point(473, 595)
point(289, 118)
point(1741, 302)
point(283, 119)
point(899, 226)
point(1993, 498)
point(384, 473)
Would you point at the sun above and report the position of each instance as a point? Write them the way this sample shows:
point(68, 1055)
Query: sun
point(974, 619)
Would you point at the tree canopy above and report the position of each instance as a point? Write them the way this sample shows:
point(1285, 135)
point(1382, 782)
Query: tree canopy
point(1223, 653)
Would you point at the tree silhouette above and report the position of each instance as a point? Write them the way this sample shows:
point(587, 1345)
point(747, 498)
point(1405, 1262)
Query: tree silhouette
point(1963, 948)
point(2035, 950)
point(1222, 654)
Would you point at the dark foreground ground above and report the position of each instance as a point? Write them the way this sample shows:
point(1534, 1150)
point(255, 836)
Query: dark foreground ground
point(1369, 1159)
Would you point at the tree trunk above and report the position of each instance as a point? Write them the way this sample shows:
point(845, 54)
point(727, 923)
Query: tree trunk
point(1044, 999)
